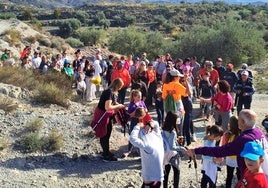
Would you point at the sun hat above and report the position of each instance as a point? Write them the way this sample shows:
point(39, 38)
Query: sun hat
point(244, 72)
point(252, 150)
point(176, 73)
point(244, 66)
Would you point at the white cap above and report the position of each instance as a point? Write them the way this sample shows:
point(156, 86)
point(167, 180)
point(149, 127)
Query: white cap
point(175, 72)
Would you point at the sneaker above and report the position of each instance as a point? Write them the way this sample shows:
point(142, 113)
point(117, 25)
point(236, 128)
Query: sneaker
point(126, 154)
point(109, 158)
point(193, 138)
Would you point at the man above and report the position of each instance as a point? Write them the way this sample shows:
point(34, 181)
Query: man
point(245, 67)
point(246, 123)
point(244, 90)
point(221, 69)
point(144, 58)
point(231, 77)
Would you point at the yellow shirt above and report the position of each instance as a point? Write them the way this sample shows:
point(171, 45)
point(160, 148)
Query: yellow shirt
point(175, 88)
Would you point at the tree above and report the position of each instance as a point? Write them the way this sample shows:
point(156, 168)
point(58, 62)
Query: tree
point(127, 41)
point(90, 36)
point(57, 13)
point(68, 26)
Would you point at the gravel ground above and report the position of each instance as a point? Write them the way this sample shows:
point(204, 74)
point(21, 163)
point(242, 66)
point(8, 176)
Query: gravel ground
point(78, 163)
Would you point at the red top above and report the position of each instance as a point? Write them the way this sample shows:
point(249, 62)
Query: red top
point(214, 75)
point(224, 100)
point(252, 180)
point(123, 74)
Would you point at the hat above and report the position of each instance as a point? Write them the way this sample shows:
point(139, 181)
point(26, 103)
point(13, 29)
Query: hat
point(244, 66)
point(66, 61)
point(244, 72)
point(176, 73)
point(230, 65)
point(136, 59)
point(252, 150)
point(144, 54)
point(219, 59)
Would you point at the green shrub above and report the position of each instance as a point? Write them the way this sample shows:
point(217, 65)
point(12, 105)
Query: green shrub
point(31, 142)
point(73, 42)
point(35, 125)
point(53, 141)
point(8, 105)
point(44, 41)
point(49, 93)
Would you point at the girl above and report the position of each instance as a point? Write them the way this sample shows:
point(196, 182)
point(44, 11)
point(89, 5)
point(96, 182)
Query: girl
point(231, 162)
point(209, 166)
point(135, 102)
point(170, 131)
point(107, 104)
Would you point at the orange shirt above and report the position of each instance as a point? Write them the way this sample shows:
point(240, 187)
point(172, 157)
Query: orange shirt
point(174, 87)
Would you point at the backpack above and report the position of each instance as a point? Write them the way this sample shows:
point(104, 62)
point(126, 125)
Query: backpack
point(170, 104)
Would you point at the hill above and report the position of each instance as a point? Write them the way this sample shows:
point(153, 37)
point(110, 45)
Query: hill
point(75, 3)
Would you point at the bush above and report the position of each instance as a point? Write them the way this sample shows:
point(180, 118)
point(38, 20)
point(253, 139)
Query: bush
point(35, 125)
point(14, 35)
point(44, 41)
point(3, 144)
point(31, 142)
point(49, 93)
point(73, 42)
point(53, 142)
point(30, 39)
point(7, 104)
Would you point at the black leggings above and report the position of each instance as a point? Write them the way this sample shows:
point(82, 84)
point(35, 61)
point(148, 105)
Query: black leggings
point(230, 174)
point(104, 141)
point(176, 177)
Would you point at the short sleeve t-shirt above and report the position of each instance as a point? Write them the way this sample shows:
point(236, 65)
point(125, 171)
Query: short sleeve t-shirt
point(106, 95)
point(257, 180)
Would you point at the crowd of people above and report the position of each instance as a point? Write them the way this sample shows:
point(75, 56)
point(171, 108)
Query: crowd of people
point(169, 87)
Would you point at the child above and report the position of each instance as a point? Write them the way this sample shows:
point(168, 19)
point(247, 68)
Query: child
point(170, 132)
point(265, 124)
point(253, 175)
point(135, 102)
point(148, 138)
point(231, 162)
point(209, 166)
point(206, 92)
point(159, 104)
point(81, 87)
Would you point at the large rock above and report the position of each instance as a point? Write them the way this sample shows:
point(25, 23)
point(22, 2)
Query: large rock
point(14, 92)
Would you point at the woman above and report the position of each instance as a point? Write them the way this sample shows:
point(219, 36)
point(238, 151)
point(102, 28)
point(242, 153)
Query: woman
point(170, 131)
point(223, 103)
point(107, 105)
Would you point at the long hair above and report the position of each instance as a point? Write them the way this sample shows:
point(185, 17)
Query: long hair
point(214, 130)
point(116, 84)
point(233, 124)
point(170, 122)
point(133, 94)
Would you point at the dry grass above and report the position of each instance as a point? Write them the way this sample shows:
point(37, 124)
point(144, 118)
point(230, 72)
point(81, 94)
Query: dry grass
point(8, 105)
point(49, 88)
point(31, 142)
point(35, 125)
point(53, 142)
point(3, 144)
point(14, 36)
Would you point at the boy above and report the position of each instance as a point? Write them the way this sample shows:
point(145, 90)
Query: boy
point(253, 175)
point(147, 137)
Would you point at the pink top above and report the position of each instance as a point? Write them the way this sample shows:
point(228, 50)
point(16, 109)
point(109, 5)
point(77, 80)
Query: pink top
point(224, 100)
